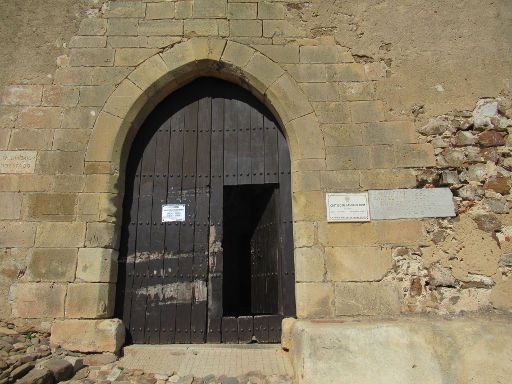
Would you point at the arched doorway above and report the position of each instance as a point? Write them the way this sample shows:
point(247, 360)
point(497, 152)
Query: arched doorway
point(206, 249)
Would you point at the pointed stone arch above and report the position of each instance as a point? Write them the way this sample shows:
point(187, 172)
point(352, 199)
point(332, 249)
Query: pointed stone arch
point(138, 94)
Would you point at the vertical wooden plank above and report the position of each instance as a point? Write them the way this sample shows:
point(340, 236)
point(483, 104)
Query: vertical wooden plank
point(271, 156)
point(286, 262)
point(257, 148)
point(157, 241)
point(274, 328)
point(229, 330)
point(199, 293)
point(230, 142)
point(188, 197)
point(143, 250)
point(172, 233)
point(215, 259)
point(261, 328)
point(245, 330)
point(243, 114)
point(129, 260)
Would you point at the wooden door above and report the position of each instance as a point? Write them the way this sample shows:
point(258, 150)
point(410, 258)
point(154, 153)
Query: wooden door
point(206, 137)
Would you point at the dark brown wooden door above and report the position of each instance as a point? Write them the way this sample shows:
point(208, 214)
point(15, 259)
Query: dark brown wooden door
point(204, 138)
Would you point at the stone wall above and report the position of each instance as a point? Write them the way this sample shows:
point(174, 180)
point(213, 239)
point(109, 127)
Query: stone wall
point(370, 94)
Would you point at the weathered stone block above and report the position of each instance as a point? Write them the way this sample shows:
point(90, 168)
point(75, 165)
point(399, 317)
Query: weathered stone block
point(49, 206)
point(10, 205)
point(94, 96)
point(338, 181)
point(387, 179)
point(133, 56)
point(92, 27)
point(65, 235)
point(125, 9)
point(210, 8)
point(348, 158)
point(40, 117)
point(68, 183)
point(357, 263)
point(320, 91)
point(56, 95)
point(31, 139)
point(346, 72)
point(38, 300)
point(308, 73)
point(108, 75)
point(101, 183)
point(501, 295)
point(356, 91)
point(366, 111)
point(35, 183)
point(201, 27)
point(88, 42)
point(71, 139)
point(92, 57)
point(22, 95)
point(309, 265)
point(303, 234)
point(242, 10)
point(122, 99)
point(382, 156)
point(342, 135)
point(73, 76)
point(101, 235)
point(330, 54)
point(97, 265)
point(263, 71)
point(161, 27)
point(184, 9)
point(283, 54)
point(60, 163)
point(346, 234)
point(314, 300)
point(306, 181)
point(237, 54)
point(123, 27)
point(415, 155)
point(52, 264)
point(101, 145)
point(270, 11)
point(399, 232)
point(8, 183)
point(309, 205)
point(90, 300)
point(17, 234)
point(162, 10)
point(281, 28)
point(352, 299)
point(89, 335)
point(394, 132)
point(245, 28)
point(332, 112)
point(79, 117)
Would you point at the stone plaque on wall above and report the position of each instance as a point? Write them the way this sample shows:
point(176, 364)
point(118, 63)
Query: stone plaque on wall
point(347, 207)
point(17, 161)
point(410, 203)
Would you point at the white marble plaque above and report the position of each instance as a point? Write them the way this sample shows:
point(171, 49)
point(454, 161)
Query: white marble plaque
point(173, 212)
point(347, 207)
point(17, 161)
point(411, 203)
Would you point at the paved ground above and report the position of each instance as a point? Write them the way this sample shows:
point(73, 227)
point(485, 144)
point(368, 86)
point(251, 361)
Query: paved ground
point(204, 360)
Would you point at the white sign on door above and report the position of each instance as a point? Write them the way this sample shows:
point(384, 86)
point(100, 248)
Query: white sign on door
point(347, 207)
point(173, 212)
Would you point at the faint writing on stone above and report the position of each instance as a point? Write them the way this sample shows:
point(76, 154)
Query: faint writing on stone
point(17, 161)
point(411, 203)
point(347, 207)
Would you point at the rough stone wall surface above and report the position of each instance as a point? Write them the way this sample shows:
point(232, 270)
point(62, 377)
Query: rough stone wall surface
point(373, 95)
